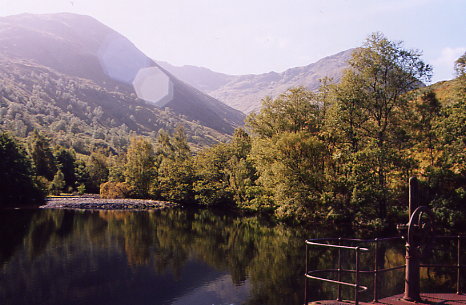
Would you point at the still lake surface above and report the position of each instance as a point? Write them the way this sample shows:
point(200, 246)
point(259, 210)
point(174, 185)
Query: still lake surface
point(176, 256)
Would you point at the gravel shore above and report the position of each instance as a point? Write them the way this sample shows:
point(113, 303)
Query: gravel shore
point(93, 202)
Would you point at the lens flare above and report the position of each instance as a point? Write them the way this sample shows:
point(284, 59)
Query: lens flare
point(154, 86)
point(120, 59)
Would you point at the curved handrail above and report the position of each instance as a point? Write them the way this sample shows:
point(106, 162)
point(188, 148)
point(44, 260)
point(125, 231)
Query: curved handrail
point(357, 288)
point(359, 240)
point(336, 246)
point(363, 271)
point(355, 285)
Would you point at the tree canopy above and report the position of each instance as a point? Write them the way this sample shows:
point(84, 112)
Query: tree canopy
point(17, 186)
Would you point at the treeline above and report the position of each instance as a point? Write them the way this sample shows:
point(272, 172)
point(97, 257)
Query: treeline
point(342, 154)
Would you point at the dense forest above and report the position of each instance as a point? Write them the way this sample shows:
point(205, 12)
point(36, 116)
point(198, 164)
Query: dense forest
point(342, 154)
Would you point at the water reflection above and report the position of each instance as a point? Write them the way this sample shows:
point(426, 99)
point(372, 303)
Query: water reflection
point(164, 257)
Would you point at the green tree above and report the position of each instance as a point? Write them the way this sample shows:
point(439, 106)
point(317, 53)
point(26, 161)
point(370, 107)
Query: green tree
point(65, 160)
point(241, 171)
point(211, 185)
point(367, 109)
point(83, 180)
point(117, 166)
point(58, 183)
point(446, 179)
point(288, 154)
point(42, 156)
point(97, 169)
point(460, 65)
point(425, 117)
point(175, 173)
point(17, 186)
point(139, 168)
point(225, 175)
point(291, 166)
point(295, 110)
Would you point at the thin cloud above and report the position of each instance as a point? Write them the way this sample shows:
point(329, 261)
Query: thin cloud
point(443, 64)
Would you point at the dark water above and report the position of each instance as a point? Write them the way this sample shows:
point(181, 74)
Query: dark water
point(170, 257)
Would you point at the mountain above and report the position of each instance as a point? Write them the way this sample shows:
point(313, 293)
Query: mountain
point(75, 46)
point(245, 92)
point(200, 78)
point(81, 114)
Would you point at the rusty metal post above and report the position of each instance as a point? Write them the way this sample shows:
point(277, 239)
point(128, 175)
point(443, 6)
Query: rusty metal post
point(339, 270)
point(305, 278)
point(356, 288)
point(376, 269)
point(412, 275)
point(413, 196)
point(458, 274)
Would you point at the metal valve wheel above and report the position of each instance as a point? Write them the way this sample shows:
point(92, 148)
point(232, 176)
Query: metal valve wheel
point(420, 230)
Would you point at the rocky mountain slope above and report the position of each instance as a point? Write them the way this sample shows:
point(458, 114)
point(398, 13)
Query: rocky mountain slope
point(244, 92)
point(83, 49)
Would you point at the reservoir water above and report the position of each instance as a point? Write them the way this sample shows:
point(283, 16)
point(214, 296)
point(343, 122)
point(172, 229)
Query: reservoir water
point(176, 256)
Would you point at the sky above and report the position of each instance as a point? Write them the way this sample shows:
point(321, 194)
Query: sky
point(259, 36)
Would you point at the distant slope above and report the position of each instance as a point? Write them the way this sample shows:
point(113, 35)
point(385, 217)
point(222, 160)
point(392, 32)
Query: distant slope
point(80, 46)
point(449, 92)
point(200, 78)
point(245, 92)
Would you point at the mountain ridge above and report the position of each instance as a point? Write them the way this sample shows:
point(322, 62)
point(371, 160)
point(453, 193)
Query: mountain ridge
point(245, 92)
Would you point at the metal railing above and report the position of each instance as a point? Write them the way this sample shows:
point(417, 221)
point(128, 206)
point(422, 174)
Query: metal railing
point(326, 242)
point(458, 266)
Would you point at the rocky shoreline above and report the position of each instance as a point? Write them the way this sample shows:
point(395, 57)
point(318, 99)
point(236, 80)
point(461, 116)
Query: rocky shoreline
point(94, 202)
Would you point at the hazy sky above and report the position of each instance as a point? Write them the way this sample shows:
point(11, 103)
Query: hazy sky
point(257, 36)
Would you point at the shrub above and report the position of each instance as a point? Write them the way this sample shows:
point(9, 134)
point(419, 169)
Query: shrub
point(114, 190)
point(81, 189)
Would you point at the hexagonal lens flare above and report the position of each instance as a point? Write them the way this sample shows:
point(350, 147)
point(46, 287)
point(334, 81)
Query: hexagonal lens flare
point(120, 59)
point(154, 86)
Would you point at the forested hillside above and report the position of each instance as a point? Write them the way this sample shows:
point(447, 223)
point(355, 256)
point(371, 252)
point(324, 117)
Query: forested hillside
point(81, 66)
point(79, 113)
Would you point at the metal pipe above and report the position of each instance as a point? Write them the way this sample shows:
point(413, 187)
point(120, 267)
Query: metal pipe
point(356, 292)
point(458, 274)
point(413, 199)
point(365, 271)
point(336, 246)
point(339, 270)
point(376, 268)
point(361, 288)
point(361, 240)
point(305, 278)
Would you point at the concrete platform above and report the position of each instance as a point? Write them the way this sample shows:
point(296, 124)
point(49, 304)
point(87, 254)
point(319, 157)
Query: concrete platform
point(427, 298)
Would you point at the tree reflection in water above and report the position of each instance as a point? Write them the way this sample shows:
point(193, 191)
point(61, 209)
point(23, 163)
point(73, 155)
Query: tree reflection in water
point(166, 257)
